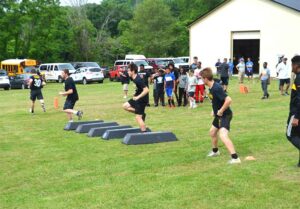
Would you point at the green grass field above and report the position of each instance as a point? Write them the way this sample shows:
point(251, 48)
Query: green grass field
point(42, 166)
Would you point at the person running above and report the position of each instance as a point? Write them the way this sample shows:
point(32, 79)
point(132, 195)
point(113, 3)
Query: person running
point(72, 96)
point(170, 86)
point(191, 88)
point(265, 80)
point(293, 124)
point(145, 75)
point(249, 71)
point(125, 82)
point(222, 117)
point(183, 79)
point(35, 84)
point(284, 77)
point(140, 99)
point(224, 74)
point(241, 69)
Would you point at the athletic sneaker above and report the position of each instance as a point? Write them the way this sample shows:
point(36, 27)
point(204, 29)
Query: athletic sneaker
point(144, 117)
point(213, 154)
point(44, 109)
point(234, 161)
point(79, 114)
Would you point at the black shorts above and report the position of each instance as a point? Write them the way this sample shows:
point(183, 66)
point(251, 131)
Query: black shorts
point(69, 104)
point(36, 94)
point(225, 80)
point(222, 122)
point(139, 107)
point(284, 81)
point(249, 73)
point(191, 94)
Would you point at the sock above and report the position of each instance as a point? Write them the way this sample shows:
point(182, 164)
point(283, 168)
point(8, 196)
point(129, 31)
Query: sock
point(215, 150)
point(75, 112)
point(234, 156)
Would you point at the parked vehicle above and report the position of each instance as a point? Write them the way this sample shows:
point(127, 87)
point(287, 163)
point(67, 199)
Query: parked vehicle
point(77, 65)
point(20, 81)
point(114, 73)
point(18, 66)
point(105, 70)
point(52, 71)
point(180, 63)
point(4, 80)
point(185, 59)
point(135, 57)
point(87, 75)
point(157, 63)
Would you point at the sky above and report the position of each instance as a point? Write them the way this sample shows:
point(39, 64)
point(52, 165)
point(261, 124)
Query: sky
point(67, 2)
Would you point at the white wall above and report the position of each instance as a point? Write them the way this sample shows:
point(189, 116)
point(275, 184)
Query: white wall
point(279, 26)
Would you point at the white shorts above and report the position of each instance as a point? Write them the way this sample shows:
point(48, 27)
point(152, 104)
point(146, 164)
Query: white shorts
point(125, 87)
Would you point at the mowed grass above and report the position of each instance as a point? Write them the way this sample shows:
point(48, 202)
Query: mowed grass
point(43, 166)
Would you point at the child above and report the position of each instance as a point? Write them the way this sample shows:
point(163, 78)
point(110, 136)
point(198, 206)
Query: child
point(192, 82)
point(170, 86)
point(159, 91)
point(183, 79)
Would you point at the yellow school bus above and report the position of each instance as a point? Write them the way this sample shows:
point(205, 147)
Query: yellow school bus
point(18, 66)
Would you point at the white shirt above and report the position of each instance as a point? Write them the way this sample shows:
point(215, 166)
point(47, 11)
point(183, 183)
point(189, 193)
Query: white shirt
point(241, 67)
point(283, 71)
point(197, 74)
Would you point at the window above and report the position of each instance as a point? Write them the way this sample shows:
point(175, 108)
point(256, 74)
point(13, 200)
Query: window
point(55, 68)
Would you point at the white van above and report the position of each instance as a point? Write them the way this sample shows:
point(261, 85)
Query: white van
point(135, 57)
point(148, 67)
point(52, 71)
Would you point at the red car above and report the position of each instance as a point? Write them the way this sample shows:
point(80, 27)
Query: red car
point(114, 74)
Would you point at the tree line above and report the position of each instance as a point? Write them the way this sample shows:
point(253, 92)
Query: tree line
point(46, 31)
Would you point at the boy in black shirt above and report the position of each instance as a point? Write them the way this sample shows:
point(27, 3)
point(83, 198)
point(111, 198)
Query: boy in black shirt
point(160, 92)
point(222, 116)
point(72, 96)
point(35, 84)
point(293, 129)
point(145, 75)
point(139, 101)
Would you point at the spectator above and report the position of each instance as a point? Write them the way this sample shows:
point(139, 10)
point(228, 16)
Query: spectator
point(170, 86)
point(175, 72)
point(231, 66)
point(195, 63)
point(241, 69)
point(224, 73)
point(283, 76)
point(183, 80)
point(265, 80)
point(125, 80)
point(159, 90)
point(249, 71)
point(200, 88)
point(217, 65)
point(192, 82)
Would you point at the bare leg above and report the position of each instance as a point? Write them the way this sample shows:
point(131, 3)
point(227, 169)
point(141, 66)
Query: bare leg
point(125, 93)
point(287, 88)
point(281, 90)
point(223, 133)
point(214, 137)
point(127, 107)
point(32, 106)
point(141, 122)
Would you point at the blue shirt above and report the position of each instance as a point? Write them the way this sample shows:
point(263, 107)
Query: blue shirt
point(169, 79)
point(249, 66)
point(231, 66)
point(265, 74)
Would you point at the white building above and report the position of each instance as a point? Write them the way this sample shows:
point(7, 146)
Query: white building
point(260, 29)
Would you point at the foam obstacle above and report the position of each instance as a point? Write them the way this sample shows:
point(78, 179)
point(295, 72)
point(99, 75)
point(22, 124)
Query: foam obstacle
point(112, 130)
point(85, 128)
point(97, 132)
point(73, 125)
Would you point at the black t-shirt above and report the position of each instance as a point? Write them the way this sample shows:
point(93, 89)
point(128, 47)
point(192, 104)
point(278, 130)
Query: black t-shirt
point(125, 78)
point(218, 96)
point(295, 98)
point(159, 81)
point(70, 84)
point(140, 85)
point(224, 67)
point(36, 82)
point(145, 76)
point(176, 74)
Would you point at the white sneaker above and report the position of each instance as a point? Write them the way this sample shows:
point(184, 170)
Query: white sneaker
point(234, 161)
point(124, 97)
point(194, 106)
point(213, 154)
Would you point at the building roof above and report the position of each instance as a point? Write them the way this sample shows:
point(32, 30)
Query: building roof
point(292, 4)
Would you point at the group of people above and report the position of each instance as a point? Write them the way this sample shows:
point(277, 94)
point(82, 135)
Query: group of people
point(195, 81)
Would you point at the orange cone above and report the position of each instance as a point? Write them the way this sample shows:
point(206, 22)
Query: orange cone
point(55, 102)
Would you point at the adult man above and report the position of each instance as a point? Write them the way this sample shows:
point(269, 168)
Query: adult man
point(222, 117)
point(35, 84)
point(145, 75)
point(72, 96)
point(241, 69)
point(231, 66)
point(249, 71)
point(217, 65)
point(200, 88)
point(283, 76)
point(125, 82)
point(293, 128)
point(139, 102)
point(195, 63)
point(265, 80)
point(224, 73)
